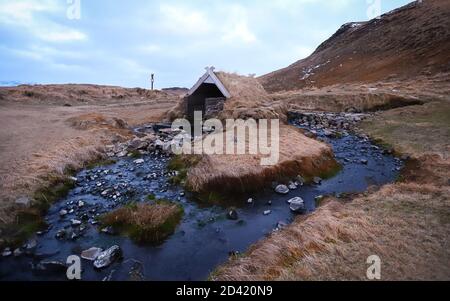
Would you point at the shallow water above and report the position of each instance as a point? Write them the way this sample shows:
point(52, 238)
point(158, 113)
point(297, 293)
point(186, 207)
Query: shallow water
point(205, 237)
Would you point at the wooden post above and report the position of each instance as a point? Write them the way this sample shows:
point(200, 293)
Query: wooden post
point(152, 79)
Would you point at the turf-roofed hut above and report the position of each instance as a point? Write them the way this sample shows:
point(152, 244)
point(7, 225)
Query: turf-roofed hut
point(226, 95)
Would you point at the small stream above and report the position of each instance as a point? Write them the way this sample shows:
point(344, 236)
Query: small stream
point(204, 238)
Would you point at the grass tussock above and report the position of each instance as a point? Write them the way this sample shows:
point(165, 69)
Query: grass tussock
point(145, 223)
point(299, 155)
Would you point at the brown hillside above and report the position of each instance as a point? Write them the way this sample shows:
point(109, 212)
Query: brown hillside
point(409, 41)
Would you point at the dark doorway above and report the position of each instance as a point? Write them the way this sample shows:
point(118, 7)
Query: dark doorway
point(196, 101)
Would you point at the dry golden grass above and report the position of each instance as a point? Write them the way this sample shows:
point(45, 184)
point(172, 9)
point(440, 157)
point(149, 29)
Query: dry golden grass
point(145, 223)
point(407, 224)
point(298, 154)
point(40, 140)
point(365, 97)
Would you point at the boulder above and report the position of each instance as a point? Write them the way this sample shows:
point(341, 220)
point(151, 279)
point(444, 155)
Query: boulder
point(232, 214)
point(6, 252)
point(292, 186)
point(91, 254)
point(106, 258)
point(282, 189)
point(297, 205)
point(317, 180)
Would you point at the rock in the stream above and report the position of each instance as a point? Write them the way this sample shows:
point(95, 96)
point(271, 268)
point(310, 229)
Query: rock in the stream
point(50, 267)
point(138, 161)
point(31, 245)
point(232, 214)
point(282, 189)
point(317, 180)
point(267, 212)
point(18, 252)
point(91, 254)
point(63, 212)
point(250, 201)
point(75, 222)
point(108, 230)
point(122, 154)
point(292, 186)
point(364, 161)
point(297, 205)
point(6, 252)
point(108, 257)
point(300, 180)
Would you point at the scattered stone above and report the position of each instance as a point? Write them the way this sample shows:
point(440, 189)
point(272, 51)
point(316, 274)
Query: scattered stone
point(292, 186)
point(6, 252)
point(267, 212)
point(364, 161)
point(75, 222)
point(300, 180)
point(18, 252)
point(138, 161)
point(297, 205)
point(281, 225)
point(73, 179)
point(269, 203)
point(317, 180)
point(282, 189)
point(319, 198)
point(91, 254)
point(122, 154)
point(106, 258)
point(61, 234)
point(108, 230)
point(250, 201)
point(31, 245)
point(81, 204)
point(232, 215)
point(50, 267)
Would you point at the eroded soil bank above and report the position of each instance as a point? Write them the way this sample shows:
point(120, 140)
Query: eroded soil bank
point(205, 237)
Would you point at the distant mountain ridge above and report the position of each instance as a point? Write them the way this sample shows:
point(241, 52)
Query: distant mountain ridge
point(406, 42)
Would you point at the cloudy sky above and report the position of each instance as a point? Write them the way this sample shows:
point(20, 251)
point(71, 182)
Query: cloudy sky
point(119, 42)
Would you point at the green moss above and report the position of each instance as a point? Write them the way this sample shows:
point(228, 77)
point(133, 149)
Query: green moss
point(28, 222)
point(135, 154)
point(151, 197)
point(182, 164)
point(99, 163)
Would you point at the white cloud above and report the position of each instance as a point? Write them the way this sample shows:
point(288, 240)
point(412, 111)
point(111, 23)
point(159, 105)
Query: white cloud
point(183, 20)
point(24, 15)
point(236, 28)
point(62, 34)
point(149, 48)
